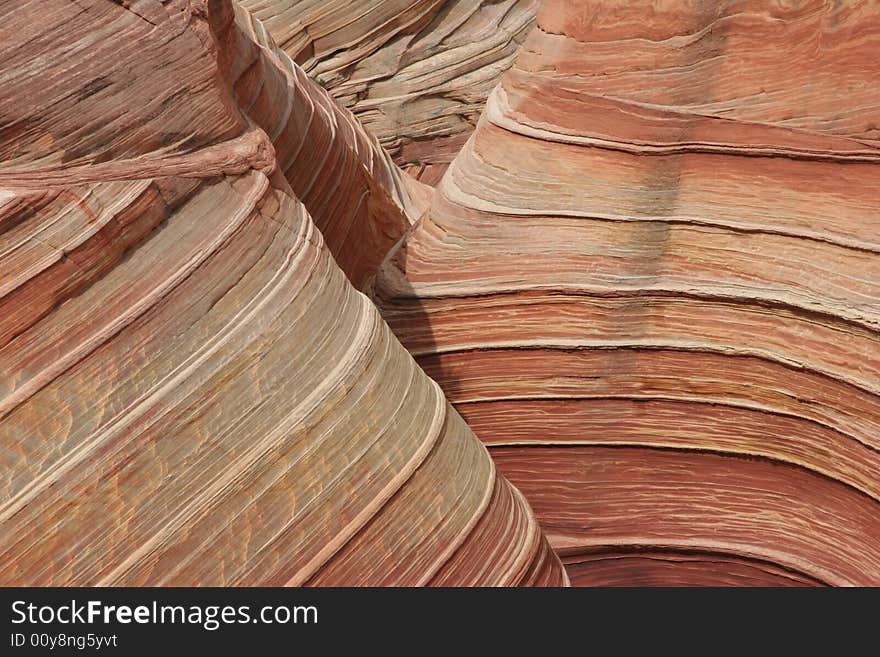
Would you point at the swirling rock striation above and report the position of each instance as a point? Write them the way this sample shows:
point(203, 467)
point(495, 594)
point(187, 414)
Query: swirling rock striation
point(191, 391)
point(416, 73)
point(650, 283)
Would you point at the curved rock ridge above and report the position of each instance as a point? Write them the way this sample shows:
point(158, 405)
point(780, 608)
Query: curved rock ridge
point(416, 73)
point(191, 391)
point(650, 282)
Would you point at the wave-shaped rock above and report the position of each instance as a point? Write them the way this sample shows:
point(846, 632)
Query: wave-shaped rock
point(192, 392)
point(650, 283)
point(416, 74)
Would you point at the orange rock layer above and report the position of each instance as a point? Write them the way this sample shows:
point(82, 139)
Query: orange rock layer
point(649, 282)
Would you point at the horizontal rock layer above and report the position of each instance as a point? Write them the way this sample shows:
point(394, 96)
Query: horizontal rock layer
point(649, 282)
point(415, 73)
point(192, 392)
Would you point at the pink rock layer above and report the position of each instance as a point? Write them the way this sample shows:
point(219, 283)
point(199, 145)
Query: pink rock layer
point(650, 283)
point(191, 391)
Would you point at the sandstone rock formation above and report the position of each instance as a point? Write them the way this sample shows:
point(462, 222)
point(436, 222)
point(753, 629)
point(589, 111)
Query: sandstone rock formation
point(416, 73)
point(650, 283)
point(191, 392)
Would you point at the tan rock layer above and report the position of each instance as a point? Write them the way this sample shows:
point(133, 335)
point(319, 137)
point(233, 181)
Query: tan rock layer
point(191, 391)
point(650, 283)
point(416, 73)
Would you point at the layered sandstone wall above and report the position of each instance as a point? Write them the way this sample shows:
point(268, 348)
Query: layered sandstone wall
point(650, 283)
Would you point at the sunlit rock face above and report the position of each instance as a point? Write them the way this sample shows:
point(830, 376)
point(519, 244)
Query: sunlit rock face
point(191, 390)
point(650, 280)
point(416, 73)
